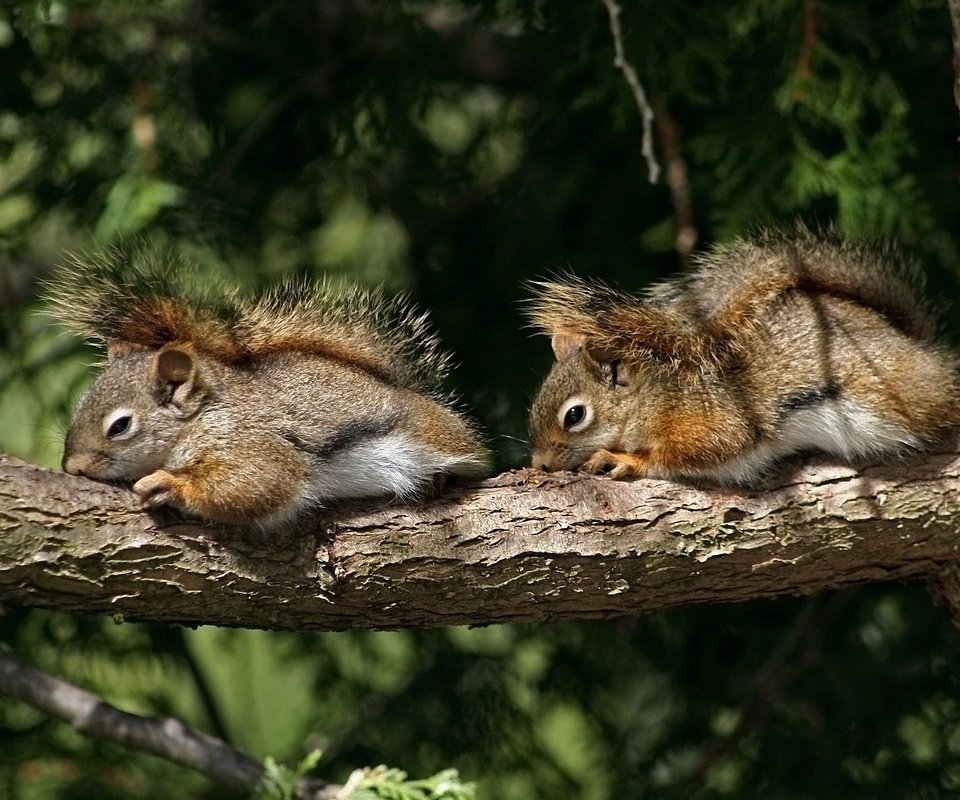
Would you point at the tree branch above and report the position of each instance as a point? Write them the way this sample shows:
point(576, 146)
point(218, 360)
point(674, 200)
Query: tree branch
point(954, 6)
point(165, 737)
point(678, 182)
point(521, 547)
point(636, 88)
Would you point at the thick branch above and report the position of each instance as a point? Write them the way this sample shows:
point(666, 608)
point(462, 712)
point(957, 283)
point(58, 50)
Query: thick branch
point(160, 736)
point(521, 547)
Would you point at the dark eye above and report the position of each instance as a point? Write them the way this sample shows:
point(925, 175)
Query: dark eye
point(118, 426)
point(574, 416)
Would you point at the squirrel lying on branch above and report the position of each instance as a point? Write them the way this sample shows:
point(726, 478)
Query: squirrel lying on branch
point(253, 410)
point(785, 342)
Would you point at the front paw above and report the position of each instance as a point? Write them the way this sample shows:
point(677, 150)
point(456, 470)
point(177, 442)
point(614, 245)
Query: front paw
point(157, 489)
point(616, 465)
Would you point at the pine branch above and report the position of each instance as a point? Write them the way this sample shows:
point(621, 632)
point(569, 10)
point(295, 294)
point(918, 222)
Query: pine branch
point(521, 547)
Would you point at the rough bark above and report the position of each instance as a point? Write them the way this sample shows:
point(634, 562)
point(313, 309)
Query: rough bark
point(521, 547)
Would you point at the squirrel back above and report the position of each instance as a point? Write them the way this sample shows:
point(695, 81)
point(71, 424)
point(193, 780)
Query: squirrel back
point(250, 410)
point(703, 315)
point(780, 342)
point(733, 284)
point(137, 298)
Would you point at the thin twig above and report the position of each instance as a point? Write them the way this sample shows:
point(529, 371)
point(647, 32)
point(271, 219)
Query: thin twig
point(256, 130)
point(677, 182)
point(810, 28)
point(955, 20)
point(808, 48)
point(201, 684)
point(646, 112)
point(165, 737)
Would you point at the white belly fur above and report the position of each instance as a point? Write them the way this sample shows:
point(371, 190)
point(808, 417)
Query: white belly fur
point(393, 465)
point(839, 427)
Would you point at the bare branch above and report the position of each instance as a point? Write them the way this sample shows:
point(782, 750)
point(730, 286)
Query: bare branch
point(522, 547)
point(808, 46)
point(677, 182)
point(165, 737)
point(955, 20)
point(639, 95)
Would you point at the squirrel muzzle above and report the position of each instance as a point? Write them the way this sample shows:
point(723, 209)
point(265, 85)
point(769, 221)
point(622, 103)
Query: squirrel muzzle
point(77, 464)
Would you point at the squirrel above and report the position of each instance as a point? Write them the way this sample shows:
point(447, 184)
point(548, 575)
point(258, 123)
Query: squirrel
point(252, 410)
point(783, 342)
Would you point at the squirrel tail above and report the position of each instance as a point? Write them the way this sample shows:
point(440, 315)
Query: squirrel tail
point(383, 335)
point(733, 282)
point(135, 296)
point(615, 325)
point(700, 317)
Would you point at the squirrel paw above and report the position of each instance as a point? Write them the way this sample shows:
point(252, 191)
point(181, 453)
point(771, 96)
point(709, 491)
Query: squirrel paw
point(616, 465)
point(157, 489)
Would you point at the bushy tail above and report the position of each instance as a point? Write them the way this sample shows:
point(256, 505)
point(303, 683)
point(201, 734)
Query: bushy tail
point(135, 296)
point(702, 316)
point(382, 335)
point(140, 297)
point(733, 282)
point(615, 325)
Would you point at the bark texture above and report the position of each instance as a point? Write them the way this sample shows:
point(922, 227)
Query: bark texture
point(518, 548)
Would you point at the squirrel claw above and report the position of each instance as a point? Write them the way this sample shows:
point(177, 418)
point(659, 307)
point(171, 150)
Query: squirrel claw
point(155, 489)
point(615, 465)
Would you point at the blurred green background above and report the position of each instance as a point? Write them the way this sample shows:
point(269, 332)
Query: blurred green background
point(453, 151)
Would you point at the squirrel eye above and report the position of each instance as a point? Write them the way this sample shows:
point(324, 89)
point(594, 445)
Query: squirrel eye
point(575, 415)
point(120, 424)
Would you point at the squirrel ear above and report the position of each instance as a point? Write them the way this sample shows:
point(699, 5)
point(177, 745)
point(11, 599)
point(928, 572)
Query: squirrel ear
point(117, 348)
point(565, 345)
point(605, 365)
point(178, 380)
point(599, 353)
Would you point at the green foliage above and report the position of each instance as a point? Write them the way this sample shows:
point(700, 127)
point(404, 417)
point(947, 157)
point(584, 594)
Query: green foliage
point(385, 783)
point(455, 150)
point(279, 782)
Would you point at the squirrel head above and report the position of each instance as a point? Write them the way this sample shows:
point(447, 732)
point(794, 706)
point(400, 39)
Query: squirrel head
point(583, 404)
point(129, 420)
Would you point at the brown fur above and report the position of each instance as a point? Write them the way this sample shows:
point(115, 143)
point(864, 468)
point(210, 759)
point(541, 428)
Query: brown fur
point(782, 342)
point(132, 298)
point(251, 411)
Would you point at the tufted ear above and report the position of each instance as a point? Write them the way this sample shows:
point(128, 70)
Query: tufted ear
point(178, 381)
point(600, 361)
point(605, 365)
point(117, 348)
point(566, 346)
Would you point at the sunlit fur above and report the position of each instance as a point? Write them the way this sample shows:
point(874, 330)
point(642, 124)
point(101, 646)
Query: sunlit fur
point(782, 343)
point(253, 410)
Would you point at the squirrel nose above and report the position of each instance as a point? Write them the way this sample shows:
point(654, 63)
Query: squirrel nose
point(74, 465)
point(540, 461)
